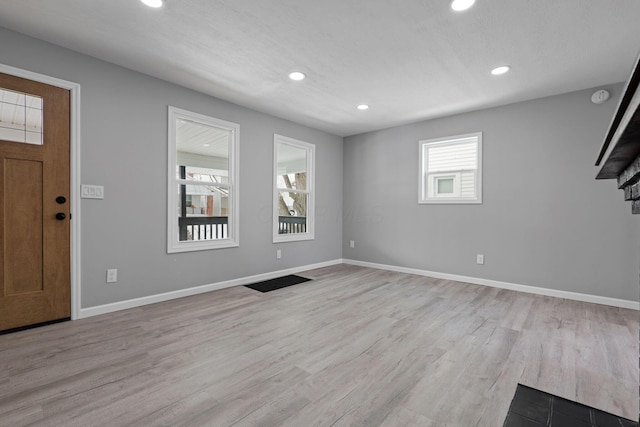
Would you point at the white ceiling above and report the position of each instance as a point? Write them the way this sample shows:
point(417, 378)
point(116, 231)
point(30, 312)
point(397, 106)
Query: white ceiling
point(409, 59)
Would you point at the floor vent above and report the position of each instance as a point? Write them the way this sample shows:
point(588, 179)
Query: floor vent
point(278, 283)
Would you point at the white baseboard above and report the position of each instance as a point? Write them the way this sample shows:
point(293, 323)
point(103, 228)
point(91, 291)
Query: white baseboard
point(633, 305)
point(138, 302)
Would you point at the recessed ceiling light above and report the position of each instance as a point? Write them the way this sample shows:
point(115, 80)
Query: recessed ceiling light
point(363, 107)
point(500, 70)
point(206, 145)
point(153, 3)
point(297, 76)
point(460, 5)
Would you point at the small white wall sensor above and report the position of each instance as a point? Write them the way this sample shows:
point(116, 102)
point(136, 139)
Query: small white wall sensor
point(600, 96)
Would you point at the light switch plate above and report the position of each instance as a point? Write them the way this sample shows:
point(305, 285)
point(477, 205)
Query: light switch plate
point(92, 191)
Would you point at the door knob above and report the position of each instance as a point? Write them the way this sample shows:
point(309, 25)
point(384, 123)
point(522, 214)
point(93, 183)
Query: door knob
point(60, 216)
point(61, 200)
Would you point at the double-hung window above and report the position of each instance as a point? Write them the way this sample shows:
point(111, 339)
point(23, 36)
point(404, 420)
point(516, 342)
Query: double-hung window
point(203, 182)
point(293, 194)
point(451, 169)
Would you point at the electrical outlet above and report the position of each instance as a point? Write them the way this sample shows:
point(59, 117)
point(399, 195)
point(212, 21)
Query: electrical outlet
point(352, 243)
point(479, 259)
point(278, 254)
point(112, 275)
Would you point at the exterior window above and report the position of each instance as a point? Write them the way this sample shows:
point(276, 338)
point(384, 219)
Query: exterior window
point(451, 169)
point(203, 182)
point(293, 195)
point(447, 185)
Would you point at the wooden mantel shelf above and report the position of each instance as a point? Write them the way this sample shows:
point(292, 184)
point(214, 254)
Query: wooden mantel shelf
point(619, 157)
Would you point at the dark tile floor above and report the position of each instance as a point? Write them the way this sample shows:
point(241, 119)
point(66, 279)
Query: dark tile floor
point(535, 408)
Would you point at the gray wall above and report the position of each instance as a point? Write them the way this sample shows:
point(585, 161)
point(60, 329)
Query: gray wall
point(545, 221)
point(124, 148)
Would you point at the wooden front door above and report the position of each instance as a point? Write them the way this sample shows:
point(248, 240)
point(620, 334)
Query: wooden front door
point(34, 203)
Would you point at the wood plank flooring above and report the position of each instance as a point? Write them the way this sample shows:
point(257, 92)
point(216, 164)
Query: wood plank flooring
point(354, 347)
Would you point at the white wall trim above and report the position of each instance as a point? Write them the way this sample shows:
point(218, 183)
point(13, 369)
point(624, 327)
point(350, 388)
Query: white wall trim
point(74, 203)
point(152, 299)
point(595, 299)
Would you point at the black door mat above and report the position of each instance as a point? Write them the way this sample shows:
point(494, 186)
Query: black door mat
point(277, 283)
point(535, 408)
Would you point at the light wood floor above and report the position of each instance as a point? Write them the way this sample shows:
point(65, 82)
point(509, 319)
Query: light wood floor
point(356, 346)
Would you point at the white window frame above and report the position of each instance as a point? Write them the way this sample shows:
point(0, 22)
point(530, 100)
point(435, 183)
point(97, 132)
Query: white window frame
point(427, 180)
point(173, 244)
point(310, 191)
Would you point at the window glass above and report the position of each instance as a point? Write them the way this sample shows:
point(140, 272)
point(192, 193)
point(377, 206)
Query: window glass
point(20, 117)
point(445, 186)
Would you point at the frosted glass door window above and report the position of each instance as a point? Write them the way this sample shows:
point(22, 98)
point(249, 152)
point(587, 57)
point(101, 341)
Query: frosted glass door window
point(20, 117)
